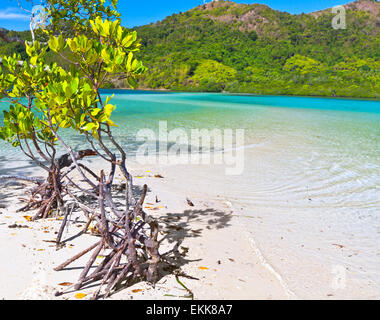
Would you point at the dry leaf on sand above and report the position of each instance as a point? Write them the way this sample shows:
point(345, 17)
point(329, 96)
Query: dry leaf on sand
point(65, 284)
point(136, 290)
point(80, 295)
point(203, 268)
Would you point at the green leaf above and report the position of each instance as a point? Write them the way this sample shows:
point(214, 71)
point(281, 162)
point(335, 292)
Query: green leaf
point(119, 59)
point(127, 41)
point(94, 26)
point(132, 82)
point(108, 109)
point(95, 112)
point(33, 60)
point(111, 123)
point(109, 98)
point(72, 43)
point(106, 28)
point(105, 55)
point(129, 61)
point(65, 124)
point(53, 43)
point(74, 85)
point(89, 126)
point(61, 42)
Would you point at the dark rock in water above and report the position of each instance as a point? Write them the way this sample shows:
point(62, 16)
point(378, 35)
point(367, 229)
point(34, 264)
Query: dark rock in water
point(3, 206)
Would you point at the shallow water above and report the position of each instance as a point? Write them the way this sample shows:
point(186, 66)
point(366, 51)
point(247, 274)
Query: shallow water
point(309, 195)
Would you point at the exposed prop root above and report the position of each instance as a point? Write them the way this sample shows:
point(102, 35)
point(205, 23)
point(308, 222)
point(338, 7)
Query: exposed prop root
point(49, 194)
point(128, 235)
point(131, 242)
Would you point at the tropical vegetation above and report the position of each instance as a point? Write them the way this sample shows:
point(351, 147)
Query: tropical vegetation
point(226, 46)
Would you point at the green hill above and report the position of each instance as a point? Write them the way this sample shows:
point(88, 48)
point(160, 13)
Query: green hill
point(255, 49)
point(225, 46)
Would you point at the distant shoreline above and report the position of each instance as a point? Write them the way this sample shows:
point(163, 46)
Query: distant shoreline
point(162, 90)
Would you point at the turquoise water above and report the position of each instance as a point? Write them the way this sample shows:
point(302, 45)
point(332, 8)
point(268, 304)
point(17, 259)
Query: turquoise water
point(139, 109)
point(311, 178)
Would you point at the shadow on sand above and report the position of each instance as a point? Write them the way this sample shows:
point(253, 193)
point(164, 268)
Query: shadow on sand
point(176, 227)
point(13, 167)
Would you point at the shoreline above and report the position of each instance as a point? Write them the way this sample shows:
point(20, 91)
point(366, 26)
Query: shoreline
point(207, 242)
point(247, 94)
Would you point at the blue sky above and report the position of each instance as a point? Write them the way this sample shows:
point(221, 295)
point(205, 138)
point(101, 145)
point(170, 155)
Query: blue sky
point(135, 13)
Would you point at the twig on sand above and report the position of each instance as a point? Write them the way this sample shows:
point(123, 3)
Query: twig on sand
point(63, 224)
point(191, 295)
point(76, 257)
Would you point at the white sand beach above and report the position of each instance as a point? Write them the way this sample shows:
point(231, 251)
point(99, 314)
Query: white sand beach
point(207, 242)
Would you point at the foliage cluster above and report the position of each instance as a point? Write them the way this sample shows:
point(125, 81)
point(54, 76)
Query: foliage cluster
point(271, 52)
point(265, 51)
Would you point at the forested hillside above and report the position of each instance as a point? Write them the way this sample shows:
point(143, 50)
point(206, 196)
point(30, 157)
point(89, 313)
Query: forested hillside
point(254, 49)
point(225, 46)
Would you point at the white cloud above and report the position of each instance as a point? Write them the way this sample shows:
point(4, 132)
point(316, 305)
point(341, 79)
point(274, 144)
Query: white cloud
point(13, 14)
